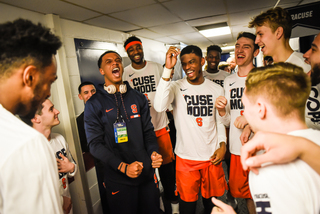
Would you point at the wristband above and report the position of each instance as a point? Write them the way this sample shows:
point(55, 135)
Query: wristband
point(125, 169)
point(166, 73)
point(120, 166)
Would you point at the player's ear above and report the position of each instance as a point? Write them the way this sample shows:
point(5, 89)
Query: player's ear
point(36, 119)
point(101, 71)
point(256, 52)
point(262, 110)
point(30, 74)
point(80, 97)
point(279, 32)
point(203, 61)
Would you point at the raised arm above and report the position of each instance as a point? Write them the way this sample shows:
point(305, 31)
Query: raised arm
point(164, 95)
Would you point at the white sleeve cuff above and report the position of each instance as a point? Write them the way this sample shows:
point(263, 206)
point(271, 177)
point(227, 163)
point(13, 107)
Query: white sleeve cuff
point(166, 73)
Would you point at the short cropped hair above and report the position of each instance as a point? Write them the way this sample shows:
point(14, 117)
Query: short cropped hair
point(191, 49)
point(22, 41)
point(100, 58)
point(275, 17)
point(285, 85)
point(84, 84)
point(39, 110)
point(249, 36)
point(131, 39)
point(214, 48)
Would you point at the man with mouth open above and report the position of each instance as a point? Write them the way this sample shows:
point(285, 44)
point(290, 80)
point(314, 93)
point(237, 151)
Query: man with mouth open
point(213, 59)
point(273, 31)
point(144, 76)
point(120, 134)
point(200, 145)
point(231, 110)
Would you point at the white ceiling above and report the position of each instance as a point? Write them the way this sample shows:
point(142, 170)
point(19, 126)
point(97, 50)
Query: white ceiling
point(168, 21)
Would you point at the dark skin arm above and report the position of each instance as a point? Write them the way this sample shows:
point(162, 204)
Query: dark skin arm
point(218, 155)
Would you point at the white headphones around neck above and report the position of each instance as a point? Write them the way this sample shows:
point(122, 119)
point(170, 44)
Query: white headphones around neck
point(111, 89)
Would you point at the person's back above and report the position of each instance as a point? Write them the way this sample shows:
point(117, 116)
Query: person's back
point(288, 188)
point(283, 188)
point(25, 147)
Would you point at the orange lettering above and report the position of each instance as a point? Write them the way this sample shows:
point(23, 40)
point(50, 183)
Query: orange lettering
point(199, 121)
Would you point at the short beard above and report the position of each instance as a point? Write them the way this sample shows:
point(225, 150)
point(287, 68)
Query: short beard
point(140, 62)
point(315, 75)
point(28, 117)
point(35, 103)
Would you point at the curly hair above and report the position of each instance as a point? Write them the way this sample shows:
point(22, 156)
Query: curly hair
point(22, 41)
point(275, 17)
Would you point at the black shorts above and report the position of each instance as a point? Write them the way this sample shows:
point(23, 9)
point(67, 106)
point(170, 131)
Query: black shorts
point(125, 199)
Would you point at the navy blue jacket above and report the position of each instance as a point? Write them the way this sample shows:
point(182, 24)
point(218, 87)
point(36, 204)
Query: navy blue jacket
point(100, 114)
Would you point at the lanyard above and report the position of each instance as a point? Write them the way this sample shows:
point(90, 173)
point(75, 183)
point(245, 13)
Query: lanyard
point(119, 116)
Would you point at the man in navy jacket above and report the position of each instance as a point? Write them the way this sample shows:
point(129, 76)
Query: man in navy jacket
point(120, 134)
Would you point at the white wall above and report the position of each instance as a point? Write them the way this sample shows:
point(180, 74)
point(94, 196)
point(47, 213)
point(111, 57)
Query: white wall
point(84, 192)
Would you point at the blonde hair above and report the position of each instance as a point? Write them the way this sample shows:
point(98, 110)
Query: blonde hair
point(285, 85)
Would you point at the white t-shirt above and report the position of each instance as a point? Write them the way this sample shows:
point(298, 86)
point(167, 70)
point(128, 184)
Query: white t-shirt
point(60, 146)
point(288, 188)
point(199, 131)
point(216, 77)
point(28, 169)
point(312, 111)
point(146, 81)
point(296, 58)
point(233, 87)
